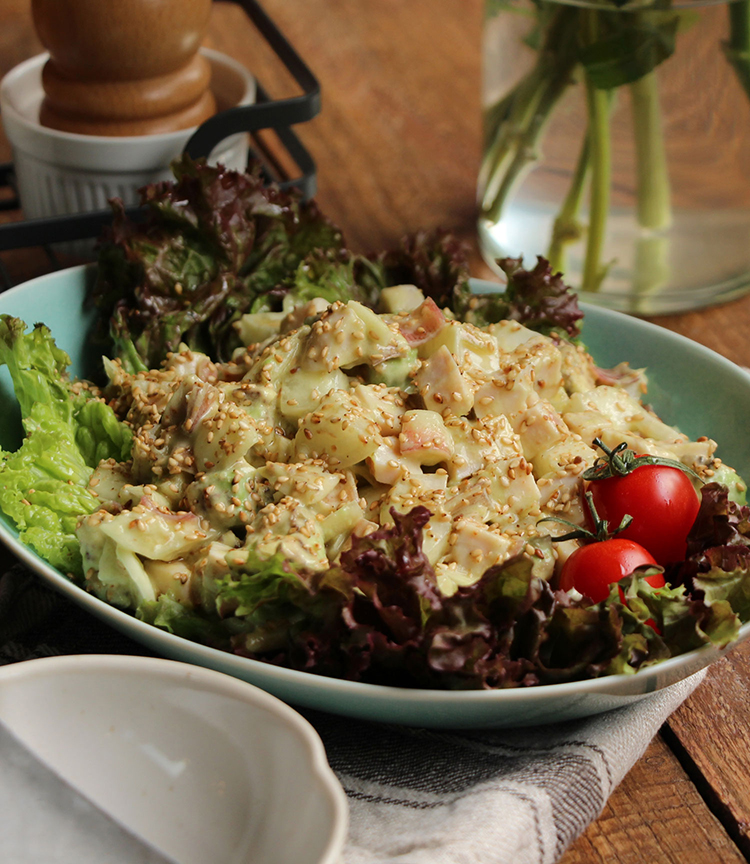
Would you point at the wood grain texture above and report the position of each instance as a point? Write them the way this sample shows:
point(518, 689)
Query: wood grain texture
point(711, 732)
point(397, 144)
point(656, 816)
point(397, 148)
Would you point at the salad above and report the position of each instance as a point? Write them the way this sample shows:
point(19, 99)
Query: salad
point(363, 470)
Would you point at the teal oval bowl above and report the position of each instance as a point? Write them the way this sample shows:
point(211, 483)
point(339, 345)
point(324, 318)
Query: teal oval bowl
point(690, 387)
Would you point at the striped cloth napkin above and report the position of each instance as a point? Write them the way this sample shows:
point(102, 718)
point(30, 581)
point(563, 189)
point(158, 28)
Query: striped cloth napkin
point(518, 796)
point(416, 796)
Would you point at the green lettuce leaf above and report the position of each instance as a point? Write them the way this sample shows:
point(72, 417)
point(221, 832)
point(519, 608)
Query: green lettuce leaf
point(275, 608)
point(44, 484)
point(217, 244)
point(167, 614)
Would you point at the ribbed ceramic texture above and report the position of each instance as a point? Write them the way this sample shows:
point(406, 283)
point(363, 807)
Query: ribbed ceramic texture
point(60, 173)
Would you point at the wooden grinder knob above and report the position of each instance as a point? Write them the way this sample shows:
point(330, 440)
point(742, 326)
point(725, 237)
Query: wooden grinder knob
point(124, 67)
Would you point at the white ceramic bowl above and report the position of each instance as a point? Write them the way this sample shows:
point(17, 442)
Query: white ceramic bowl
point(59, 173)
point(198, 764)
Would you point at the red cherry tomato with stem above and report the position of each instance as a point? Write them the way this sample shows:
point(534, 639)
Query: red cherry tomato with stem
point(662, 503)
point(592, 568)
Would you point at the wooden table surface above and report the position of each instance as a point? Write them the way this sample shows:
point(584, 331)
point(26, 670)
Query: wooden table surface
point(397, 149)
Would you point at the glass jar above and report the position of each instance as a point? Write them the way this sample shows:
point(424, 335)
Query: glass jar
point(617, 144)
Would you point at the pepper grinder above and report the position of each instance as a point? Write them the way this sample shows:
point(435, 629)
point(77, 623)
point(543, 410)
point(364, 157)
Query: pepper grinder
point(124, 67)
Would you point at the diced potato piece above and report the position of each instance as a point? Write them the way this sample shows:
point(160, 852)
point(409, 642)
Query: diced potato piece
point(384, 404)
point(341, 521)
point(450, 577)
point(387, 465)
point(155, 533)
point(222, 437)
point(532, 369)
point(421, 324)
point(345, 491)
point(172, 488)
point(378, 330)
point(503, 493)
point(561, 494)
point(225, 498)
point(505, 440)
point(469, 345)
point(348, 335)
point(424, 438)
point(621, 412)
point(273, 446)
point(475, 547)
point(258, 401)
point(171, 578)
point(255, 327)
point(400, 298)
point(540, 428)
point(570, 454)
point(697, 454)
point(443, 386)
point(289, 528)
point(309, 482)
point(543, 357)
point(507, 394)
point(338, 431)
point(435, 536)
point(474, 445)
point(302, 390)
point(510, 334)
point(425, 490)
point(108, 479)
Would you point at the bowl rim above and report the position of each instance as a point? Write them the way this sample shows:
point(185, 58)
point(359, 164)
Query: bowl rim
point(303, 688)
point(209, 680)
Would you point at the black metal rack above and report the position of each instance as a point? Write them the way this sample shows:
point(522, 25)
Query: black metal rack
point(265, 113)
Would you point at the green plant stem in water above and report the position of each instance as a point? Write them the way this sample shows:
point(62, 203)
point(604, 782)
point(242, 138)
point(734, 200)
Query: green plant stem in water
point(653, 194)
point(513, 115)
point(567, 227)
point(737, 48)
point(524, 150)
point(520, 117)
point(599, 104)
point(651, 271)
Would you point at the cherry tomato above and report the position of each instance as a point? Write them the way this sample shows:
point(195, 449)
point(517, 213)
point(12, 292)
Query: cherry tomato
point(662, 502)
point(592, 568)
